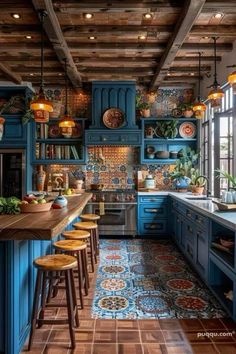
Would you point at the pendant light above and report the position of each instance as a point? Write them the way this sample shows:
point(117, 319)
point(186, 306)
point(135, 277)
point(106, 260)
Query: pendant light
point(216, 93)
point(232, 79)
point(199, 107)
point(66, 123)
point(41, 105)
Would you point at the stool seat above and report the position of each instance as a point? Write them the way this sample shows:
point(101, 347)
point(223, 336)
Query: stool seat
point(76, 234)
point(55, 262)
point(85, 225)
point(70, 245)
point(89, 217)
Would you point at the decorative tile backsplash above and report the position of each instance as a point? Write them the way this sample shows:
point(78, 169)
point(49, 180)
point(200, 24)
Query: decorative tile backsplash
point(116, 167)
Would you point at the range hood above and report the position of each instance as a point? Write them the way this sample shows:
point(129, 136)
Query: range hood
point(113, 94)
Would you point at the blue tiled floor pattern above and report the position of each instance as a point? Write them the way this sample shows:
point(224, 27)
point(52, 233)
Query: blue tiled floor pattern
point(149, 279)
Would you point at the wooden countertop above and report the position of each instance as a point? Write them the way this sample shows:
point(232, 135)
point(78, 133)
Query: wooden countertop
point(42, 226)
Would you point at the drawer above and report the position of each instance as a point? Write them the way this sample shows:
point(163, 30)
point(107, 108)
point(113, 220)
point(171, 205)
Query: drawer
point(157, 210)
point(153, 199)
point(149, 227)
point(103, 137)
point(202, 221)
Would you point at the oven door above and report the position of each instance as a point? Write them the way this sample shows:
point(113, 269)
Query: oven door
point(118, 219)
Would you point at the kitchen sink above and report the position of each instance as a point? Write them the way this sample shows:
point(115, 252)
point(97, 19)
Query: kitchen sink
point(198, 198)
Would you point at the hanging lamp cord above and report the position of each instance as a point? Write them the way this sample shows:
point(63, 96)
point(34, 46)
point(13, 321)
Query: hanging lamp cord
point(42, 15)
point(199, 77)
point(66, 88)
point(215, 84)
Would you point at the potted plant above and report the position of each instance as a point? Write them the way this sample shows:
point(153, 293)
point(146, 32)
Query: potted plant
point(230, 178)
point(168, 129)
point(197, 183)
point(184, 169)
point(144, 108)
point(187, 109)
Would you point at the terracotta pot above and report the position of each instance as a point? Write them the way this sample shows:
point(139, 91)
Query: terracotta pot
point(188, 113)
point(41, 116)
point(197, 190)
point(145, 113)
point(57, 108)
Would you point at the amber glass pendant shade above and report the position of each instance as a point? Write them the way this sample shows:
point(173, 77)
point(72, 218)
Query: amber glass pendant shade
point(66, 122)
point(199, 109)
point(215, 96)
point(232, 81)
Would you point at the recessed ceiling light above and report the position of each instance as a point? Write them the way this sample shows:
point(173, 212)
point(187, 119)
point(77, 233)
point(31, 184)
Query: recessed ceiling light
point(205, 37)
point(92, 37)
point(28, 37)
point(142, 37)
point(88, 16)
point(31, 74)
point(218, 15)
point(59, 74)
point(16, 16)
point(147, 15)
point(192, 74)
point(168, 74)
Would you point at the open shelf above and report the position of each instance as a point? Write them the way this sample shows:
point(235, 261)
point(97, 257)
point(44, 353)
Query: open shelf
point(59, 140)
point(181, 119)
point(225, 257)
point(166, 141)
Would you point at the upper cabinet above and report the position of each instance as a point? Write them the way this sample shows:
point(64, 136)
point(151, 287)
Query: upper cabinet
point(163, 138)
point(15, 133)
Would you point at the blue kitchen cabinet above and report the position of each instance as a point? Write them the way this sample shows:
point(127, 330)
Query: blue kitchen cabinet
point(152, 216)
point(104, 137)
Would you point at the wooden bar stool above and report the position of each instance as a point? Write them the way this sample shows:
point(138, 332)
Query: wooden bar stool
point(91, 227)
point(81, 235)
point(77, 249)
point(46, 266)
point(94, 218)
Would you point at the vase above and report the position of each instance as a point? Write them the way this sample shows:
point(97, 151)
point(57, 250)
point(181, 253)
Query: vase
point(57, 108)
point(182, 183)
point(41, 116)
point(188, 113)
point(40, 179)
point(60, 201)
point(145, 113)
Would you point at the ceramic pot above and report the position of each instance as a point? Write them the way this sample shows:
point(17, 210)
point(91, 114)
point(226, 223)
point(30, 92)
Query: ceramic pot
point(57, 108)
point(182, 183)
point(197, 190)
point(145, 113)
point(188, 113)
point(162, 154)
point(41, 116)
point(173, 154)
point(149, 182)
point(60, 201)
point(40, 179)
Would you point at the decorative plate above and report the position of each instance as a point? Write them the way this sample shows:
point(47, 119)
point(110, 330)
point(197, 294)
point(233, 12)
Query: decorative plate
point(176, 113)
point(77, 131)
point(54, 131)
point(114, 118)
point(187, 130)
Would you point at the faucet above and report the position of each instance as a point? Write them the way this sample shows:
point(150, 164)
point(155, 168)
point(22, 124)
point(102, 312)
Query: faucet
point(208, 193)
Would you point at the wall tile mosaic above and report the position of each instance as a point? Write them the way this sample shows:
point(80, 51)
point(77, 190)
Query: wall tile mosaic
point(116, 167)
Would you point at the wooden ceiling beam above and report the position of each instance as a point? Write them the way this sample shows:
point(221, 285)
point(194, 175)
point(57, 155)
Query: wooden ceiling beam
point(55, 35)
point(145, 47)
point(204, 59)
point(217, 30)
point(12, 76)
point(212, 6)
point(189, 13)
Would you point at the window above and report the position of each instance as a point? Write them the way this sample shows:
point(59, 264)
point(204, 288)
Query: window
point(217, 142)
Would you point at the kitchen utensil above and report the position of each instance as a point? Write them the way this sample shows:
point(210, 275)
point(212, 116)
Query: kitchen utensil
point(114, 118)
point(187, 130)
point(150, 149)
point(162, 154)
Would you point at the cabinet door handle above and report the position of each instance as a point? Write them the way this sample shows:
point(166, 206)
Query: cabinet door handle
point(199, 219)
point(104, 138)
point(153, 200)
point(188, 213)
point(199, 235)
point(152, 210)
point(190, 229)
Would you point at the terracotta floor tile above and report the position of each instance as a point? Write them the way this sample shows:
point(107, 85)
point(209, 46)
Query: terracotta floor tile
point(204, 349)
point(178, 349)
point(84, 336)
point(41, 335)
point(229, 323)
point(56, 348)
point(174, 336)
point(81, 349)
point(105, 337)
point(148, 324)
point(37, 348)
point(59, 335)
point(169, 324)
point(127, 348)
point(196, 337)
point(152, 348)
point(128, 337)
point(191, 324)
point(104, 349)
point(105, 325)
point(213, 323)
point(86, 324)
point(152, 337)
point(127, 325)
point(226, 348)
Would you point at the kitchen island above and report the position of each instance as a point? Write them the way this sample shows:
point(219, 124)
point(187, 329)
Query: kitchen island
point(23, 238)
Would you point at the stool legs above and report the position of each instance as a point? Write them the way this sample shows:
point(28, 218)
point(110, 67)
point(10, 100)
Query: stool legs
point(70, 309)
point(85, 271)
point(80, 278)
point(92, 251)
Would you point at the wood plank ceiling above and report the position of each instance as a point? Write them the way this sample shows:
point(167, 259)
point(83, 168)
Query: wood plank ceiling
point(117, 42)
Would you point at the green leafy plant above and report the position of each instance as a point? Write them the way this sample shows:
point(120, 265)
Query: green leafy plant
point(167, 129)
point(144, 105)
point(185, 166)
point(223, 174)
point(9, 205)
point(185, 106)
point(195, 180)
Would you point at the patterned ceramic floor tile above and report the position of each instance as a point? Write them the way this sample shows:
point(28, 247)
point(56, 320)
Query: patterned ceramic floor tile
point(144, 279)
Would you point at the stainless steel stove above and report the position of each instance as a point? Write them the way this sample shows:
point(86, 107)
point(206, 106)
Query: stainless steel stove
point(117, 210)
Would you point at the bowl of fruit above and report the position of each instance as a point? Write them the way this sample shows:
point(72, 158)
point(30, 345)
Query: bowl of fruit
point(35, 205)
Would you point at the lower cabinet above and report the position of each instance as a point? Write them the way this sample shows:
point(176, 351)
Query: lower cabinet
point(152, 216)
point(202, 252)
